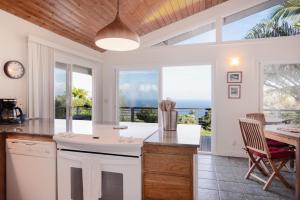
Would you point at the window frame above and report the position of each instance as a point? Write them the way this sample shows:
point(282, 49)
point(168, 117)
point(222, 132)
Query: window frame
point(261, 65)
point(219, 26)
point(247, 13)
point(205, 28)
point(160, 67)
point(71, 60)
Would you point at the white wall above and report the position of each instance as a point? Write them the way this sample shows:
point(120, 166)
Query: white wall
point(228, 139)
point(14, 34)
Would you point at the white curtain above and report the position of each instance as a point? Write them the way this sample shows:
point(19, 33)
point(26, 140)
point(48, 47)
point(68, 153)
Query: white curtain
point(40, 81)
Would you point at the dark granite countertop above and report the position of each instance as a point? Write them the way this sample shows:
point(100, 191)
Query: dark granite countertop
point(46, 127)
point(186, 135)
point(39, 127)
point(49, 128)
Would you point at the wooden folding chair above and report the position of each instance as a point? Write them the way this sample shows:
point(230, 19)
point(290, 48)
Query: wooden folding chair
point(271, 143)
point(261, 118)
point(258, 150)
point(257, 116)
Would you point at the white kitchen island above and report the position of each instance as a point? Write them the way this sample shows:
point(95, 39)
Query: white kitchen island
point(104, 163)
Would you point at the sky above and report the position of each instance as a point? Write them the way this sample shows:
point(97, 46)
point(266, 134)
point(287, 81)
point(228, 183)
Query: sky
point(209, 36)
point(234, 31)
point(79, 80)
point(60, 82)
point(238, 29)
point(83, 81)
point(187, 82)
point(138, 85)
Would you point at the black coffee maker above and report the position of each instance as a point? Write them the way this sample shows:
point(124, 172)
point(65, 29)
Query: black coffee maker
point(10, 113)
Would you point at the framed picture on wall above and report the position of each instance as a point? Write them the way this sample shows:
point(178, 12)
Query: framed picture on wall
point(234, 77)
point(234, 91)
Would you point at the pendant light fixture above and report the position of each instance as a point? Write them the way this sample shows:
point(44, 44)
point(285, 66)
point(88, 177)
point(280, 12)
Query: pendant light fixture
point(117, 36)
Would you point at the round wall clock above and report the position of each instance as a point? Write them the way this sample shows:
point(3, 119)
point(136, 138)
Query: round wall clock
point(14, 69)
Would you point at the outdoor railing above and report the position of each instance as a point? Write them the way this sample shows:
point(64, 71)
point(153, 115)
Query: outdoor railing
point(78, 112)
point(138, 114)
point(134, 114)
point(287, 115)
point(150, 114)
point(82, 112)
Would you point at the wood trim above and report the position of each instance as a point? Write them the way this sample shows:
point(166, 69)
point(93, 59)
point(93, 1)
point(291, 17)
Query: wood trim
point(2, 167)
point(178, 165)
point(164, 149)
point(281, 138)
point(164, 187)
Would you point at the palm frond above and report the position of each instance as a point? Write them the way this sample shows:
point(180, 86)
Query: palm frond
point(289, 10)
point(271, 28)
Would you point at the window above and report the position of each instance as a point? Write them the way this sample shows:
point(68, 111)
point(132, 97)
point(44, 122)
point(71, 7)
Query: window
point(138, 96)
point(204, 34)
point(281, 92)
point(258, 22)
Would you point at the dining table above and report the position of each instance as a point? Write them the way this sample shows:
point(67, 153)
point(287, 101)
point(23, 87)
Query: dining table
point(290, 135)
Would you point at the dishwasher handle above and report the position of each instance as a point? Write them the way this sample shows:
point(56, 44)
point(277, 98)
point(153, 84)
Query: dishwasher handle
point(30, 143)
point(33, 148)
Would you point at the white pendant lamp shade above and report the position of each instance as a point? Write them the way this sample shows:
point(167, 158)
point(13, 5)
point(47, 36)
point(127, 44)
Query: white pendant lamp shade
point(117, 37)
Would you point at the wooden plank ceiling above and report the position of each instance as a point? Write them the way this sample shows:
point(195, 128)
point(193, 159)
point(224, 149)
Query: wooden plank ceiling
point(80, 20)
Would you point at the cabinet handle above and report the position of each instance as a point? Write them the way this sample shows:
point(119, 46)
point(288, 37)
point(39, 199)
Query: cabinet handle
point(30, 144)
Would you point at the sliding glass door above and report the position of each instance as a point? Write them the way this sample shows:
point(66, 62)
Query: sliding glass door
point(82, 87)
point(73, 92)
point(60, 90)
point(139, 92)
point(191, 88)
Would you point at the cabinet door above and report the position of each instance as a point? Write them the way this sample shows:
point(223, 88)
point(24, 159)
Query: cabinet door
point(110, 177)
point(181, 165)
point(2, 167)
point(165, 187)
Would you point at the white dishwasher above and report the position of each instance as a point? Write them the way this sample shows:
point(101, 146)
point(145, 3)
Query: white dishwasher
point(31, 170)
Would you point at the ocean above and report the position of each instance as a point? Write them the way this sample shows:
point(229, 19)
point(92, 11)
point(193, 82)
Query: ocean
point(180, 105)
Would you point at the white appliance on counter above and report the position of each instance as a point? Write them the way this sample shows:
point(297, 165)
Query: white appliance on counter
point(104, 165)
point(31, 170)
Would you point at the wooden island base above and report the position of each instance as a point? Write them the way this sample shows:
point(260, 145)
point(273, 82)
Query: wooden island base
point(170, 164)
point(168, 172)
